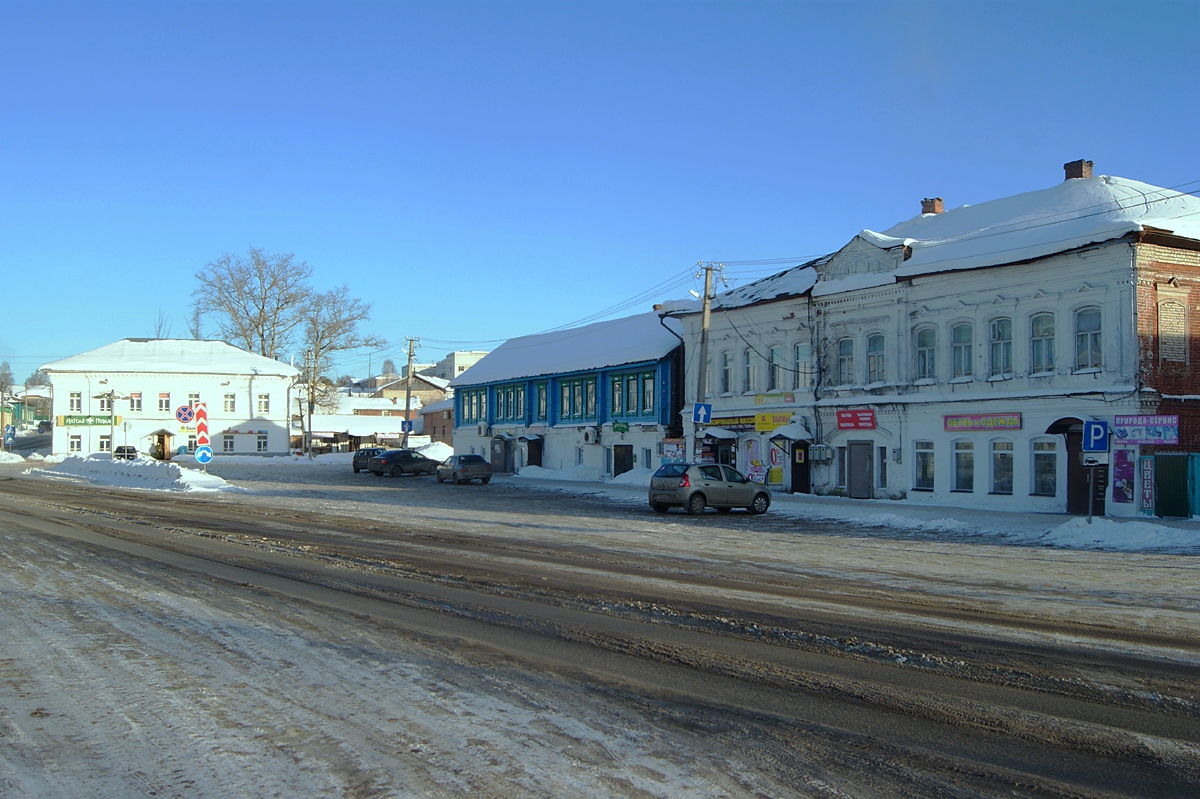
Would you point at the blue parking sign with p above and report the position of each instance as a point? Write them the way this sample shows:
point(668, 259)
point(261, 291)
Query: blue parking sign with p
point(1095, 436)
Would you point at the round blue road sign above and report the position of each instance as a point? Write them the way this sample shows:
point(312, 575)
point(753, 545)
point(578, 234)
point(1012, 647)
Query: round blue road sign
point(203, 454)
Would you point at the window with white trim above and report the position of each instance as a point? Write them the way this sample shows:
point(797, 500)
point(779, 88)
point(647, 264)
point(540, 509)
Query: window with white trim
point(845, 362)
point(264, 403)
point(1041, 344)
point(964, 466)
point(1045, 468)
point(963, 343)
point(1002, 467)
point(230, 403)
point(876, 363)
point(923, 473)
point(1087, 339)
point(75, 402)
point(1001, 347)
point(926, 353)
point(261, 443)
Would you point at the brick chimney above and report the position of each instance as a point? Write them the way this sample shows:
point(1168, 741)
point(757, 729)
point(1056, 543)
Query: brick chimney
point(1078, 169)
point(932, 206)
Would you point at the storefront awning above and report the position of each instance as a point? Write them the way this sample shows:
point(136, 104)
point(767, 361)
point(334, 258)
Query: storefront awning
point(529, 437)
point(503, 437)
point(160, 432)
point(720, 433)
point(791, 432)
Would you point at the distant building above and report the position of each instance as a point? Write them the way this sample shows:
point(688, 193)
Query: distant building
point(142, 392)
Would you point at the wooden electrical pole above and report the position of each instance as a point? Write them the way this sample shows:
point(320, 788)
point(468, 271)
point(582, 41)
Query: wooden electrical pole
point(412, 345)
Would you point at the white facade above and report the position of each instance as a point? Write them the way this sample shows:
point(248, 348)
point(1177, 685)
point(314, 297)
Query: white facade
point(128, 394)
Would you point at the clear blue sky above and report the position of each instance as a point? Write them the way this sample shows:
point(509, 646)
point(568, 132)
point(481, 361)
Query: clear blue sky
point(483, 170)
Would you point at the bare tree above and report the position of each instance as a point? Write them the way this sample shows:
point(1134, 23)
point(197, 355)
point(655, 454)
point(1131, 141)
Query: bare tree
point(38, 378)
point(330, 325)
point(257, 302)
point(389, 367)
point(162, 325)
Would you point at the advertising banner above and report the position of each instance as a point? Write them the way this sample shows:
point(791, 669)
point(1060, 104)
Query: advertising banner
point(1146, 429)
point(863, 419)
point(982, 421)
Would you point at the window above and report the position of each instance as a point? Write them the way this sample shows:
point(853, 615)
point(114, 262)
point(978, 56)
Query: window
point(135, 402)
point(589, 397)
point(875, 359)
point(964, 341)
point(191, 444)
point(164, 402)
point(1045, 468)
point(76, 402)
point(1172, 331)
point(726, 372)
point(648, 393)
point(631, 394)
point(1087, 339)
point(1002, 467)
point(542, 398)
point(617, 395)
point(775, 370)
point(923, 474)
point(564, 400)
point(519, 403)
point(1041, 344)
point(647, 457)
point(964, 466)
point(106, 404)
point(75, 444)
point(750, 376)
point(926, 354)
point(193, 400)
point(106, 443)
point(803, 357)
point(230, 404)
point(227, 443)
point(1001, 348)
point(845, 362)
point(882, 468)
point(264, 403)
point(261, 444)
point(841, 467)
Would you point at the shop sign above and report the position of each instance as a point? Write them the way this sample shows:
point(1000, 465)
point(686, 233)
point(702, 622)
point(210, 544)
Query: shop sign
point(863, 419)
point(774, 399)
point(1146, 429)
point(981, 421)
point(740, 423)
point(1147, 492)
point(620, 427)
point(88, 420)
point(766, 422)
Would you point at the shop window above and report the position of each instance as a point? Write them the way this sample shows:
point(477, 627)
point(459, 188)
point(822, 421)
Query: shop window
point(1002, 467)
point(227, 443)
point(261, 444)
point(923, 473)
point(964, 466)
point(1045, 468)
point(106, 443)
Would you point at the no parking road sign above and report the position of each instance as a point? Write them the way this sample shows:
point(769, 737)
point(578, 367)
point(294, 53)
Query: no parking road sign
point(185, 414)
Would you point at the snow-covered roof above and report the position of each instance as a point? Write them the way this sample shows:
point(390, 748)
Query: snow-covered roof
point(633, 339)
point(171, 356)
point(444, 405)
point(361, 426)
point(793, 282)
point(1037, 224)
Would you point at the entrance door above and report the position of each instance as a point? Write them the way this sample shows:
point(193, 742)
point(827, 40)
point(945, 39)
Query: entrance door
point(502, 455)
point(801, 483)
point(533, 453)
point(622, 458)
point(861, 469)
point(1078, 478)
point(1170, 484)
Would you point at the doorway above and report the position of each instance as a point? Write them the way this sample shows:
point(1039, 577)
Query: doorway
point(861, 469)
point(622, 458)
point(801, 480)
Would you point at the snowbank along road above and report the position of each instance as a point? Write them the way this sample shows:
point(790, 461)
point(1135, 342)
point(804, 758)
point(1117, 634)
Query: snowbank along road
point(349, 636)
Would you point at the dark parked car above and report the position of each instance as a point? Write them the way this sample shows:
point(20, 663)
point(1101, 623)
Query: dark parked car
point(44, 427)
point(125, 454)
point(400, 461)
point(363, 455)
point(693, 486)
point(463, 468)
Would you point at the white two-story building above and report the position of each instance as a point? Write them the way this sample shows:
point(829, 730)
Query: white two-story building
point(130, 393)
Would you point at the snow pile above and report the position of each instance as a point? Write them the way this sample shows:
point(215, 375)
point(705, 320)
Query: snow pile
point(633, 477)
point(437, 451)
point(575, 474)
point(140, 473)
point(1124, 536)
point(10, 457)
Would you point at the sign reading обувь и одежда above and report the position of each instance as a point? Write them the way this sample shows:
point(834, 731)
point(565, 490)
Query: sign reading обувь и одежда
point(87, 420)
point(982, 421)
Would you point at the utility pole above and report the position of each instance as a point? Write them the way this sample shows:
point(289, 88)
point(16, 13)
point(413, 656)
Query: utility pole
point(706, 309)
point(311, 368)
point(412, 345)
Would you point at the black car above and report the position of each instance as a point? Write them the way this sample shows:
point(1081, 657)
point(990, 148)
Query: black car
point(401, 461)
point(125, 454)
point(363, 455)
point(43, 427)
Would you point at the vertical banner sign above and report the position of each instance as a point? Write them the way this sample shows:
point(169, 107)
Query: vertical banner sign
point(1146, 465)
point(201, 425)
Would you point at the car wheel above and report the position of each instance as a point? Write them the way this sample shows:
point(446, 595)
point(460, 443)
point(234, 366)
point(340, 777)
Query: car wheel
point(760, 504)
point(484, 480)
point(441, 479)
point(724, 510)
point(377, 474)
point(695, 504)
point(457, 479)
point(659, 507)
point(397, 471)
point(356, 471)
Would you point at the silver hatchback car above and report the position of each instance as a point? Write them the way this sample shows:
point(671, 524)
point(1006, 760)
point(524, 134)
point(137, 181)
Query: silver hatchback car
point(694, 486)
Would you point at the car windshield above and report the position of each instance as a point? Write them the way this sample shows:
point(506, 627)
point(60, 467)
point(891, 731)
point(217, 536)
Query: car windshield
point(471, 459)
point(671, 470)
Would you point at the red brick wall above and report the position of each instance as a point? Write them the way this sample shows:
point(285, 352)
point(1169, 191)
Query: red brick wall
point(1170, 274)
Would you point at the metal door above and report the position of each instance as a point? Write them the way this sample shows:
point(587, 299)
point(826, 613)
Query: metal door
point(801, 482)
point(1170, 484)
point(860, 480)
point(622, 458)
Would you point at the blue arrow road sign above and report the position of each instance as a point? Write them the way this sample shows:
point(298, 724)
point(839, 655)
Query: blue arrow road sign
point(203, 455)
point(1095, 437)
point(701, 413)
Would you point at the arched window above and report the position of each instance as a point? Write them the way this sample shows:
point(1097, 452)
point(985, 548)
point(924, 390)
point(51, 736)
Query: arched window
point(1002, 467)
point(1041, 343)
point(926, 353)
point(876, 363)
point(1087, 339)
point(845, 362)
